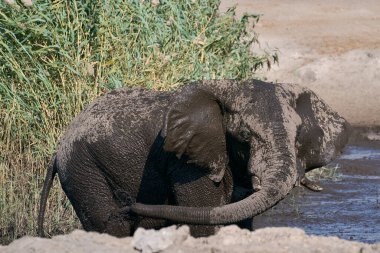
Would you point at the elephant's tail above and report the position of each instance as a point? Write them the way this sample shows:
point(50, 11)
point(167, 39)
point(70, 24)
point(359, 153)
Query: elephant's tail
point(44, 195)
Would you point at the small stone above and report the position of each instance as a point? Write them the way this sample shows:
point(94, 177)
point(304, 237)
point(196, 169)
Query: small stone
point(230, 235)
point(150, 241)
point(372, 136)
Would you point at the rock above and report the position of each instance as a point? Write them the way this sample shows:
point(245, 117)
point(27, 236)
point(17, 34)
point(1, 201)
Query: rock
point(229, 239)
point(230, 235)
point(77, 241)
point(372, 136)
point(275, 240)
point(150, 241)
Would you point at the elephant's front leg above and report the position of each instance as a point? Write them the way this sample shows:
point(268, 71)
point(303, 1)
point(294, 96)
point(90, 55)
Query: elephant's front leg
point(192, 187)
point(95, 205)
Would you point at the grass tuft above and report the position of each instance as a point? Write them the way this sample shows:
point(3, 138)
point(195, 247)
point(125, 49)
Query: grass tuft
point(326, 173)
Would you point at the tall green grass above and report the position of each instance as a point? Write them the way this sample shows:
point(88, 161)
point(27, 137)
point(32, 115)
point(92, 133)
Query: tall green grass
point(56, 56)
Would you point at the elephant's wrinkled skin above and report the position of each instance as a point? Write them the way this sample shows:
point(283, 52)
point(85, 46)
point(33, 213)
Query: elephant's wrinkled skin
point(177, 148)
point(279, 133)
point(112, 155)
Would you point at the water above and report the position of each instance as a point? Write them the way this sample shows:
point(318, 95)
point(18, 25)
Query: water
point(348, 207)
point(360, 153)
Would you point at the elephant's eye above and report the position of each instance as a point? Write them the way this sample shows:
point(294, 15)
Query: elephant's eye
point(245, 133)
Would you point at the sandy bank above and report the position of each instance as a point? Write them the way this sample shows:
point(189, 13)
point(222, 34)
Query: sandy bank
point(333, 47)
point(229, 239)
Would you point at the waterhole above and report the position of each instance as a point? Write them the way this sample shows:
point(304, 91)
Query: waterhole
point(349, 205)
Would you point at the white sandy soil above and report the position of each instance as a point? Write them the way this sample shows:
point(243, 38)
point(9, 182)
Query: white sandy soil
point(229, 239)
point(332, 46)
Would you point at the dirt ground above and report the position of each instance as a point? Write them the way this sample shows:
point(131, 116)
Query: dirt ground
point(229, 239)
point(333, 47)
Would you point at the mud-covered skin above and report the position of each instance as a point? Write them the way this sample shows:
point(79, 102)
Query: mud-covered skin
point(112, 156)
point(180, 148)
point(284, 130)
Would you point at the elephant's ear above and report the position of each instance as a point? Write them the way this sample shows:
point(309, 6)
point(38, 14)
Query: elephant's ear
point(310, 130)
point(194, 127)
point(320, 130)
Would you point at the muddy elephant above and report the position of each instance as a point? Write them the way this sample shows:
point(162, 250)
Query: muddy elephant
point(114, 154)
point(276, 133)
point(163, 154)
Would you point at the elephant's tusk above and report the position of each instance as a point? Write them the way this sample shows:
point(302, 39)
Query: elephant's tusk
point(311, 185)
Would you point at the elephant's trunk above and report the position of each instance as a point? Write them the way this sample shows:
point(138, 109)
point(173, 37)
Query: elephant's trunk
point(272, 160)
point(276, 182)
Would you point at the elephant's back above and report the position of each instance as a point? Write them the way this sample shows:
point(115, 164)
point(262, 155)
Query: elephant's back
point(121, 112)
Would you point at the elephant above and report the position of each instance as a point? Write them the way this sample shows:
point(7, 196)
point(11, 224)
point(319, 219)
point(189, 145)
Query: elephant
point(286, 130)
point(112, 155)
point(138, 157)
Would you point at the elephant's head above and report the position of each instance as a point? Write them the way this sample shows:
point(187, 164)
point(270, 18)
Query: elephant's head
point(286, 130)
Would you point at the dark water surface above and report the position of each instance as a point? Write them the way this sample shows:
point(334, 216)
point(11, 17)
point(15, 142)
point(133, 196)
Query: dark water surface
point(349, 205)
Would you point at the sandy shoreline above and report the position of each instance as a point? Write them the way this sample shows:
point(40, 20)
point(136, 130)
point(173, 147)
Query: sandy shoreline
point(229, 239)
point(332, 47)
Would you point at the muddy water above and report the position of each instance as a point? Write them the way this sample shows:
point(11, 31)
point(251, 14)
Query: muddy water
point(349, 205)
